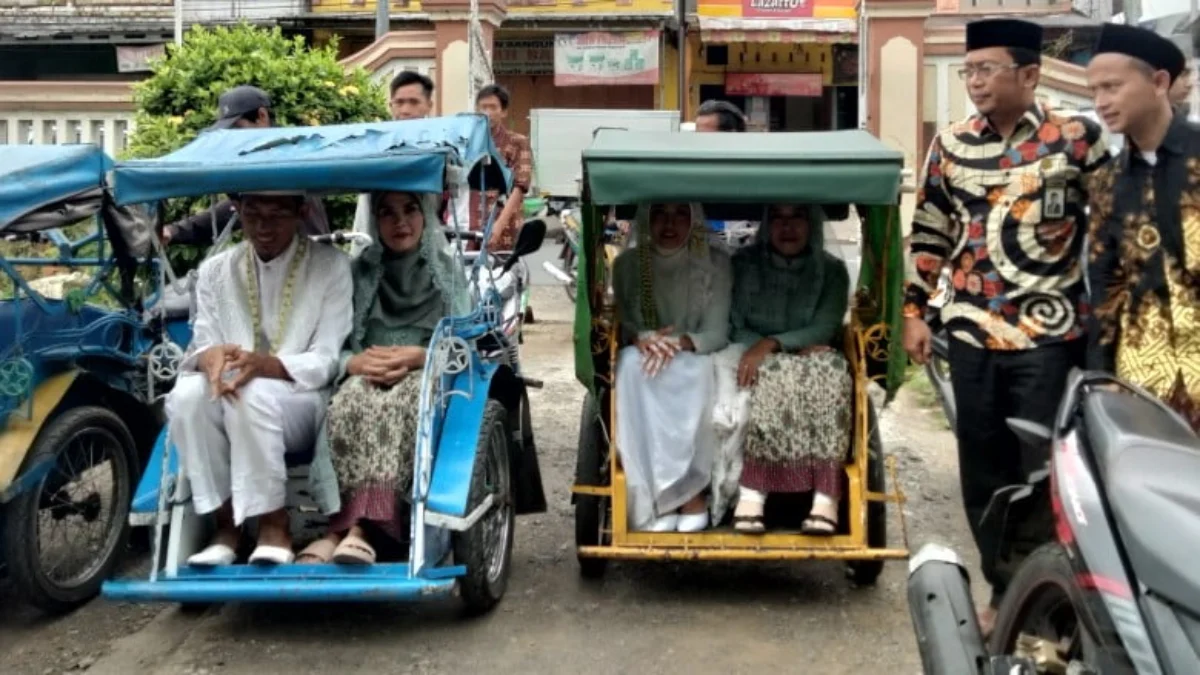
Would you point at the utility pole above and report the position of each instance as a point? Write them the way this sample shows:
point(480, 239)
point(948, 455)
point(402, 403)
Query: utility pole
point(178, 22)
point(383, 18)
point(681, 86)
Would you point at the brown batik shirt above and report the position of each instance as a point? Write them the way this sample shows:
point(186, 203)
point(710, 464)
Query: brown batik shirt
point(1007, 215)
point(1144, 269)
point(518, 158)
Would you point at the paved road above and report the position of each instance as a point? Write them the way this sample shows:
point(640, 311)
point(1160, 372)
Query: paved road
point(641, 618)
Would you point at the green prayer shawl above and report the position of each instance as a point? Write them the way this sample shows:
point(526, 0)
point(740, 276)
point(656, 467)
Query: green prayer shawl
point(799, 301)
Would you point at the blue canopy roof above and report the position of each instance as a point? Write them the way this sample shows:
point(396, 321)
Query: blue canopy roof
point(410, 155)
point(35, 176)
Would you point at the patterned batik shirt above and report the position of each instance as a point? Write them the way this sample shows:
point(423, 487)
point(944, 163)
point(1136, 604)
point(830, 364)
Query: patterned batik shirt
point(1144, 269)
point(518, 158)
point(1008, 217)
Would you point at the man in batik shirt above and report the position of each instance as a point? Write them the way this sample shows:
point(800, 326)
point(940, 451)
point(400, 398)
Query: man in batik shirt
point(1002, 202)
point(1144, 262)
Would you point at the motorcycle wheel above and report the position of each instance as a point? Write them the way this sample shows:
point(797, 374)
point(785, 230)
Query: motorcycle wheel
point(1045, 602)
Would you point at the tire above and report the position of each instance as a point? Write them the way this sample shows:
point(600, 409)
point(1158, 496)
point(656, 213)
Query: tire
point(1043, 587)
point(487, 553)
point(866, 572)
point(568, 266)
point(937, 371)
point(22, 546)
point(589, 470)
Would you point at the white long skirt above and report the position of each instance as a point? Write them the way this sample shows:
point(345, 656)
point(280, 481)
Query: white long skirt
point(665, 434)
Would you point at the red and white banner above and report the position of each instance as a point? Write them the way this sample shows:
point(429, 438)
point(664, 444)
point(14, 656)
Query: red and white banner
point(774, 84)
point(604, 58)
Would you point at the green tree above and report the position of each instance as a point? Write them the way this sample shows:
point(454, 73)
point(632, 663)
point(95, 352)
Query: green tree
point(307, 87)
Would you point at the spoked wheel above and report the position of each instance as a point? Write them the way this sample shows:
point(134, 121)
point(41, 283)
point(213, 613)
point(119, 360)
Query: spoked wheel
point(1041, 607)
point(486, 548)
point(591, 468)
point(866, 572)
point(64, 536)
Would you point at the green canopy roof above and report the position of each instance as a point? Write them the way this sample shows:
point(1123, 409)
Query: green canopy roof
point(824, 167)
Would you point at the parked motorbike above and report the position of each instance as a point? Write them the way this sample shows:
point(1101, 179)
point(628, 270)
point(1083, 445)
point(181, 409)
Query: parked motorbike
point(565, 271)
point(508, 273)
point(937, 369)
point(1111, 585)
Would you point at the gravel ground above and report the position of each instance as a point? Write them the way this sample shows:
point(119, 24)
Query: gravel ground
point(640, 618)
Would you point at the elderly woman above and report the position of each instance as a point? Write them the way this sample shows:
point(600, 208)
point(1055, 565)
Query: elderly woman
point(404, 283)
point(789, 300)
point(672, 298)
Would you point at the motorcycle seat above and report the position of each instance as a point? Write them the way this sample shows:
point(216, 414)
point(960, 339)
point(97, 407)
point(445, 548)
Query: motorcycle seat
point(1151, 464)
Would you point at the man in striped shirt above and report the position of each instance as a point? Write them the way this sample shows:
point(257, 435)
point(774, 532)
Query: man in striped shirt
point(1002, 202)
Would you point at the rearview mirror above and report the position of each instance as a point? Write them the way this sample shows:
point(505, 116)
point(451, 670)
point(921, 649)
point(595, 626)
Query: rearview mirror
point(529, 240)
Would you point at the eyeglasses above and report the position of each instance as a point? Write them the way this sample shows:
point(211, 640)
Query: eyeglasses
point(987, 70)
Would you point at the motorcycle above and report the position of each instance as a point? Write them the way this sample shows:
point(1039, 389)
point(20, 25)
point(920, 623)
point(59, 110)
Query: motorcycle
point(565, 271)
point(508, 274)
point(1111, 584)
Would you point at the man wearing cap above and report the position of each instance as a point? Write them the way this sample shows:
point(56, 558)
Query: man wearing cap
point(1002, 202)
point(243, 107)
point(1144, 257)
point(272, 314)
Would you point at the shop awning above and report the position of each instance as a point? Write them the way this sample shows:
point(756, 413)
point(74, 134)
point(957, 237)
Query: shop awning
point(729, 30)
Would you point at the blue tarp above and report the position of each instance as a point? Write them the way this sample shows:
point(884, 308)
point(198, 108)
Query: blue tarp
point(35, 176)
point(410, 155)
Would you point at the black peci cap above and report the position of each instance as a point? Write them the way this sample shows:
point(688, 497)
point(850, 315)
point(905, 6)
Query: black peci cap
point(1010, 33)
point(1142, 44)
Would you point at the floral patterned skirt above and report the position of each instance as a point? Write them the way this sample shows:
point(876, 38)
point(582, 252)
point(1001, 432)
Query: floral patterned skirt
point(800, 422)
point(372, 436)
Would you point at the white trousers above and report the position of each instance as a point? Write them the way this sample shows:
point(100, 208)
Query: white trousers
point(235, 448)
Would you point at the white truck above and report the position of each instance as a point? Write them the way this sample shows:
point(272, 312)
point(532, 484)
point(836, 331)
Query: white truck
point(558, 137)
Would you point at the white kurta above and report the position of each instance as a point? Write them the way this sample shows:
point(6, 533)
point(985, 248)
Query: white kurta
point(235, 448)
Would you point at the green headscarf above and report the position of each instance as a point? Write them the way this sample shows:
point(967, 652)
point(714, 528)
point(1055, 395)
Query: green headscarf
point(808, 267)
point(400, 297)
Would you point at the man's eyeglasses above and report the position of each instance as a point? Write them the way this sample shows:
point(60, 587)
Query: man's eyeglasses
point(986, 70)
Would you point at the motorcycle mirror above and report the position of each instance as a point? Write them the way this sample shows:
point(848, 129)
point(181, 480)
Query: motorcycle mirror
point(529, 240)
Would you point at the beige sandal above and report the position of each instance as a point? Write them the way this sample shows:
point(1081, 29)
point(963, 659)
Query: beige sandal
point(748, 517)
point(317, 553)
point(354, 551)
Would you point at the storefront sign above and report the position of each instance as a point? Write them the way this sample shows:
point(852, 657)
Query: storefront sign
point(137, 59)
point(582, 59)
point(777, 9)
point(523, 57)
point(774, 84)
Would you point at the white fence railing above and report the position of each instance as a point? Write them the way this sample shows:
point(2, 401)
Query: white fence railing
point(108, 130)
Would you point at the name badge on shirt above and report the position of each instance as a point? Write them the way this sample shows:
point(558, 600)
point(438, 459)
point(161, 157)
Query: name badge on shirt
point(1054, 198)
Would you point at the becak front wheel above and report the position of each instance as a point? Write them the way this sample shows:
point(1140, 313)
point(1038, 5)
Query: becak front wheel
point(486, 547)
point(65, 535)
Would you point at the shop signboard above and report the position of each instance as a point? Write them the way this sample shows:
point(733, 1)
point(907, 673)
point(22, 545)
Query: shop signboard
point(533, 56)
point(136, 59)
point(606, 58)
point(774, 84)
point(777, 9)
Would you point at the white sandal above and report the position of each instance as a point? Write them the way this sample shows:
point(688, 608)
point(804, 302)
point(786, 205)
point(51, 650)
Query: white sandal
point(217, 555)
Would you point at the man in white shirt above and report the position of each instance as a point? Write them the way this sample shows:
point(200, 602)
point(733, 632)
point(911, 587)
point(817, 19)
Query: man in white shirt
point(272, 314)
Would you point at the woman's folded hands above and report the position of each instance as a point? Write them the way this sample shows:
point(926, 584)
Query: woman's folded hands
point(385, 366)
